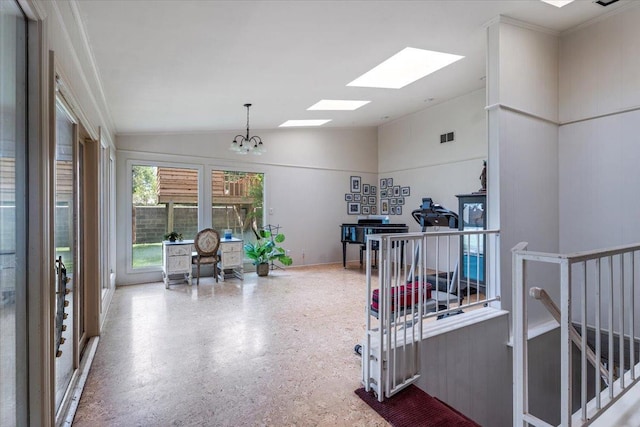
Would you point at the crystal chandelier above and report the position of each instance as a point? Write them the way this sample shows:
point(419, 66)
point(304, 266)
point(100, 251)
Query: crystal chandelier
point(244, 144)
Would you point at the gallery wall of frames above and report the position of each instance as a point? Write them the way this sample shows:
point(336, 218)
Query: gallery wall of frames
point(362, 199)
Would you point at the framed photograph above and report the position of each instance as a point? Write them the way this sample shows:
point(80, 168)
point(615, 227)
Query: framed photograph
point(396, 191)
point(389, 182)
point(383, 183)
point(348, 197)
point(357, 198)
point(383, 194)
point(393, 210)
point(372, 200)
point(374, 190)
point(405, 191)
point(398, 210)
point(384, 207)
point(366, 210)
point(355, 184)
point(374, 210)
point(392, 201)
point(401, 200)
point(366, 188)
point(353, 208)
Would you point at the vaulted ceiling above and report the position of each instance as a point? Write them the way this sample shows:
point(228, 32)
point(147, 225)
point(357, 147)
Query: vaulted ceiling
point(176, 66)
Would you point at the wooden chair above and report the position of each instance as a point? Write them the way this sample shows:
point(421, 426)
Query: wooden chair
point(206, 243)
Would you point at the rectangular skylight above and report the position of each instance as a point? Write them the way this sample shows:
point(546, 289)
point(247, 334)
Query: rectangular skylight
point(337, 104)
point(405, 67)
point(558, 3)
point(300, 123)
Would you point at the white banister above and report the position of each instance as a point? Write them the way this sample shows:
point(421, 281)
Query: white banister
point(599, 281)
point(407, 265)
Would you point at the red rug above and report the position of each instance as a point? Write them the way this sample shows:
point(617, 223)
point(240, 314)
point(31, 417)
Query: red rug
point(413, 407)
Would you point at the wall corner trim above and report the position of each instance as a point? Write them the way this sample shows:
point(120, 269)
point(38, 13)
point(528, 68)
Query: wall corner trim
point(522, 24)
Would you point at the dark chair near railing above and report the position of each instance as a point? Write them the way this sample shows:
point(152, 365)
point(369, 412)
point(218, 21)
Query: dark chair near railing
point(206, 244)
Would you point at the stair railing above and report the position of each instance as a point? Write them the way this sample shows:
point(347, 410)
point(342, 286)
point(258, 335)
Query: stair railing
point(597, 294)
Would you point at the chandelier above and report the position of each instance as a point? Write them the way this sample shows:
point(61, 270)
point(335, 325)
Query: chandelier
point(244, 144)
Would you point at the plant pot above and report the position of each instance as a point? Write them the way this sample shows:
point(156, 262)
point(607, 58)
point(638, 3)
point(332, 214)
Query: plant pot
point(172, 240)
point(262, 269)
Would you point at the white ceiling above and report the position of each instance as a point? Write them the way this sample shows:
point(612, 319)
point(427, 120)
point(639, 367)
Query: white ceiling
point(173, 66)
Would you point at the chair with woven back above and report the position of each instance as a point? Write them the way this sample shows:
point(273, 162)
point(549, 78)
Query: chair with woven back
point(206, 244)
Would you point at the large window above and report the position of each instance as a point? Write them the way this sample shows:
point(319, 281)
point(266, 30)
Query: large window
point(165, 199)
point(237, 201)
point(13, 349)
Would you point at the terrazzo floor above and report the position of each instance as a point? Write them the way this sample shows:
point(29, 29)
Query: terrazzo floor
point(268, 351)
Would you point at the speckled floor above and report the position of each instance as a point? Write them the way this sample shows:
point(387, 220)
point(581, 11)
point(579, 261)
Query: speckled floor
point(272, 351)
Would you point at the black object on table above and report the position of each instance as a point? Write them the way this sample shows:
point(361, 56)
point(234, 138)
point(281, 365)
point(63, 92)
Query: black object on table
point(357, 234)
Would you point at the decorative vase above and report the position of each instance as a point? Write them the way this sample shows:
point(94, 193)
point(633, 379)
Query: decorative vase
point(262, 269)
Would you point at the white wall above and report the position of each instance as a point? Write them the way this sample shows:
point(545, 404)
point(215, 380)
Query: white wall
point(523, 142)
point(600, 153)
point(470, 369)
point(306, 176)
point(65, 38)
point(409, 151)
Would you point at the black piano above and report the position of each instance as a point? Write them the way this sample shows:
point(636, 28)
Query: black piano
point(356, 234)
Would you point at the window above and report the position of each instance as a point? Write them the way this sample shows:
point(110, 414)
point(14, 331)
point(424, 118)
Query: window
point(164, 199)
point(237, 201)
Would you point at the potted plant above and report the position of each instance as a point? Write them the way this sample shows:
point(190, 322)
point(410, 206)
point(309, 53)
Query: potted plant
point(173, 236)
point(266, 250)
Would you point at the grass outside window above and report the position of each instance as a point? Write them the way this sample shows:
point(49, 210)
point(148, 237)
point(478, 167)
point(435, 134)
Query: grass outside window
point(147, 255)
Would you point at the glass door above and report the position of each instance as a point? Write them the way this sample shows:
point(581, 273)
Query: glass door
point(13, 235)
point(67, 264)
point(472, 216)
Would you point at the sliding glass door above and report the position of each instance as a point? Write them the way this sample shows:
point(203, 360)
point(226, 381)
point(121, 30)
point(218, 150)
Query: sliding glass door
point(13, 191)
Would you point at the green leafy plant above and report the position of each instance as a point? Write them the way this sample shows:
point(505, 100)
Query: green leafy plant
point(266, 249)
point(173, 236)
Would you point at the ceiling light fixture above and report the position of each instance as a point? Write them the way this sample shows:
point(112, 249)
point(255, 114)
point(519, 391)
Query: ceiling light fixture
point(558, 3)
point(405, 67)
point(301, 123)
point(337, 104)
point(244, 144)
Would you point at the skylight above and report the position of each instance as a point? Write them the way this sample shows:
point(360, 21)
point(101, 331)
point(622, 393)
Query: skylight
point(337, 104)
point(405, 67)
point(558, 3)
point(300, 123)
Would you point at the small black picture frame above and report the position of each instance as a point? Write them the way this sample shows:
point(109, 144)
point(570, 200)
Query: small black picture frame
point(355, 184)
point(389, 182)
point(393, 210)
point(400, 201)
point(374, 210)
point(383, 194)
point(405, 191)
point(396, 191)
point(374, 190)
point(366, 210)
point(357, 197)
point(348, 197)
point(372, 200)
point(353, 208)
point(398, 210)
point(383, 183)
point(366, 188)
point(393, 201)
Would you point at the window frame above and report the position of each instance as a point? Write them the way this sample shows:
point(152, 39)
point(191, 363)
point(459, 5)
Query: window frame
point(129, 204)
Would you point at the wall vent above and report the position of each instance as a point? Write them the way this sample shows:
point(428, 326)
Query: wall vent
point(447, 137)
